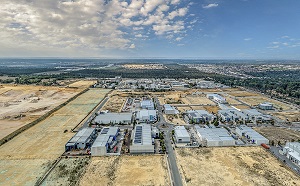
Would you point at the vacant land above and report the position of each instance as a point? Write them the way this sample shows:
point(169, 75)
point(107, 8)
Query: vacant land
point(211, 109)
point(232, 101)
point(232, 166)
point(242, 106)
point(67, 172)
point(242, 94)
point(175, 119)
point(197, 100)
point(114, 103)
point(82, 84)
point(126, 170)
point(45, 141)
point(183, 109)
point(291, 116)
point(279, 134)
point(20, 105)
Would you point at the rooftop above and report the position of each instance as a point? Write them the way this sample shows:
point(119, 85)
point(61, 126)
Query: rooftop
point(181, 132)
point(142, 135)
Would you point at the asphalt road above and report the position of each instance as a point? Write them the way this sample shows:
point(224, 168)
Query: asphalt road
point(162, 125)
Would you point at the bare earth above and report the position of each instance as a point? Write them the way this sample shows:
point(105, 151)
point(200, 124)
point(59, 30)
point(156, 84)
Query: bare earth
point(45, 141)
point(292, 116)
point(126, 170)
point(20, 105)
point(197, 100)
point(114, 103)
point(253, 101)
point(232, 166)
point(279, 134)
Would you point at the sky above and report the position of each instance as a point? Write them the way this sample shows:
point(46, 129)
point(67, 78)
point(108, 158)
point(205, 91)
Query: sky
point(201, 29)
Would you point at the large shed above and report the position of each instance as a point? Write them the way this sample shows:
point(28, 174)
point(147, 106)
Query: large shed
point(181, 135)
point(82, 139)
point(142, 139)
point(251, 134)
point(106, 140)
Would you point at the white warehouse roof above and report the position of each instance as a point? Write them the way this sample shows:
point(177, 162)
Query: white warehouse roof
point(181, 132)
point(142, 135)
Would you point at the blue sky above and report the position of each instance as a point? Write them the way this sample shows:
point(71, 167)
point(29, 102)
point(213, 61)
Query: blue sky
point(205, 29)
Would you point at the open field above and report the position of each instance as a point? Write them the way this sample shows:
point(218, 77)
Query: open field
point(197, 108)
point(126, 170)
point(212, 109)
point(232, 166)
point(175, 119)
point(67, 172)
point(183, 109)
point(20, 105)
point(253, 101)
point(82, 84)
point(242, 94)
point(279, 134)
point(232, 101)
point(114, 103)
point(242, 106)
point(292, 116)
point(45, 141)
point(197, 100)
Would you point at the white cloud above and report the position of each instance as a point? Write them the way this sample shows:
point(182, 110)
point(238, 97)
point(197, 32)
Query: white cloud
point(212, 5)
point(273, 47)
point(247, 39)
point(132, 46)
point(175, 2)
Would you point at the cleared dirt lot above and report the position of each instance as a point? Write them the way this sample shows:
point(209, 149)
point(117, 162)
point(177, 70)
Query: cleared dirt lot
point(126, 170)
point(211, 109)
point(46, 140)
point(232, 101)
point(253, 101)
point(114, 103)
point(279, 134)
point(82, 84)
point(197, 100)
point(20, 105)
point(242, 93)
point(292, 116)
point(232, 166)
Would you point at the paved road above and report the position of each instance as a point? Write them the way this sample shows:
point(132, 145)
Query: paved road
point(167, 128)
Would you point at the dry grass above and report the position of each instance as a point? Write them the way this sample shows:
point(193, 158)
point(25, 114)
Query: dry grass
point(114, 103)
point(292, 116)
point(242, 94)
point(253, 101)
point(232, 166)
point(46, 140)
point(197, 100)
point(126, 170)
point(211, 109)
point(20, 105)
point(183, 109)
point(232, 101)
point(279, 134)
point(82, 84)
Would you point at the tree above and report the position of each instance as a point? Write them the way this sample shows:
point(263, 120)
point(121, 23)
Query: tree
point(272, 143)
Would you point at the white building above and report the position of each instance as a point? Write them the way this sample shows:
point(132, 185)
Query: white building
point(114, 118)
point(266, 106)
point(214, 137)
point(181, 135)
point(146, 116)
point(197, 116)
point(217, 98)
point(106, 140)
point(81, 140)
point(147, 104)
point(251, 134)
point(141, 139)
point(255, 115)
point(292, 152)
point(170, 109)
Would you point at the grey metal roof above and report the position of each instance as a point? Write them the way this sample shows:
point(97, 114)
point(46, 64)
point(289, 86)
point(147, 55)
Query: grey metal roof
point(181, 132)
point(214, 134)
point(105, 135)
point(142, 135)
point(82, 135)
point(113, 117)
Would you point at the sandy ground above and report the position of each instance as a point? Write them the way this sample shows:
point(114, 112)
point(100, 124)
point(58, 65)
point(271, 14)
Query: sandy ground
point(253, 101)
point(278, 134)
point(175, 120)
point(232, 101)
point(197, 100)
point(242, 94)
point(67, 172)
point(292, 116)
point(183, 109)
point(232, 166)
point(82, 84)
point(211, 109)
point(197, 107)
point(20, 105)
point(126, 170)
point(114, 103)
point(46, 140)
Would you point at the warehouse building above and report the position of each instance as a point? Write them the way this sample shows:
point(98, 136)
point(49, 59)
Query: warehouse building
point(181, 135)
point(255, 115)
point(198, 116)
point(105, 141)
point(217, 98)
point(266, 106)
point(214, 137)
point(232, 115)
point(82, 139)
point(251, 134)
point(141, 138)
point(114, 118)
point(168, 109)
point(146, 116)
point(147, 104)
point(292, 152)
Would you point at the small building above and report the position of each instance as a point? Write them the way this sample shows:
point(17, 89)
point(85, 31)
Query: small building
point(292, 152)
point(146, 116)
point(214, 137)
point(168, 109)
point(114, 118)
point(198, 116)
point(141, 138)
point(147, 104)
point(266, 106)
point(181, 135)
point(251, 134)
point(105, 141)
point(81, 140)
point(217, 98)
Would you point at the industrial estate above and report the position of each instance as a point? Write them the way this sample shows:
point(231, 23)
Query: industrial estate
point(121, 131)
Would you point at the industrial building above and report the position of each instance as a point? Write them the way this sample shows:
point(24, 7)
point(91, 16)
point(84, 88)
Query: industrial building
point(232, 115)
point(251, 134)
point(217, 98)
point(82, 139)
point(181, 135)
point(114, 118)
point(147, 104)
point(255, 115)
point(105, 141)
point(198, 116)
point(168, 109)
point(266, 106)
point(146, 116)
point(142, 141)
point(292, 152)
point(214, 137)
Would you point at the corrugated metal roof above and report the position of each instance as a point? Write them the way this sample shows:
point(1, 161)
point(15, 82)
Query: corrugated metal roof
point(142, 135)
point(181, 132)
point(214, 134)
